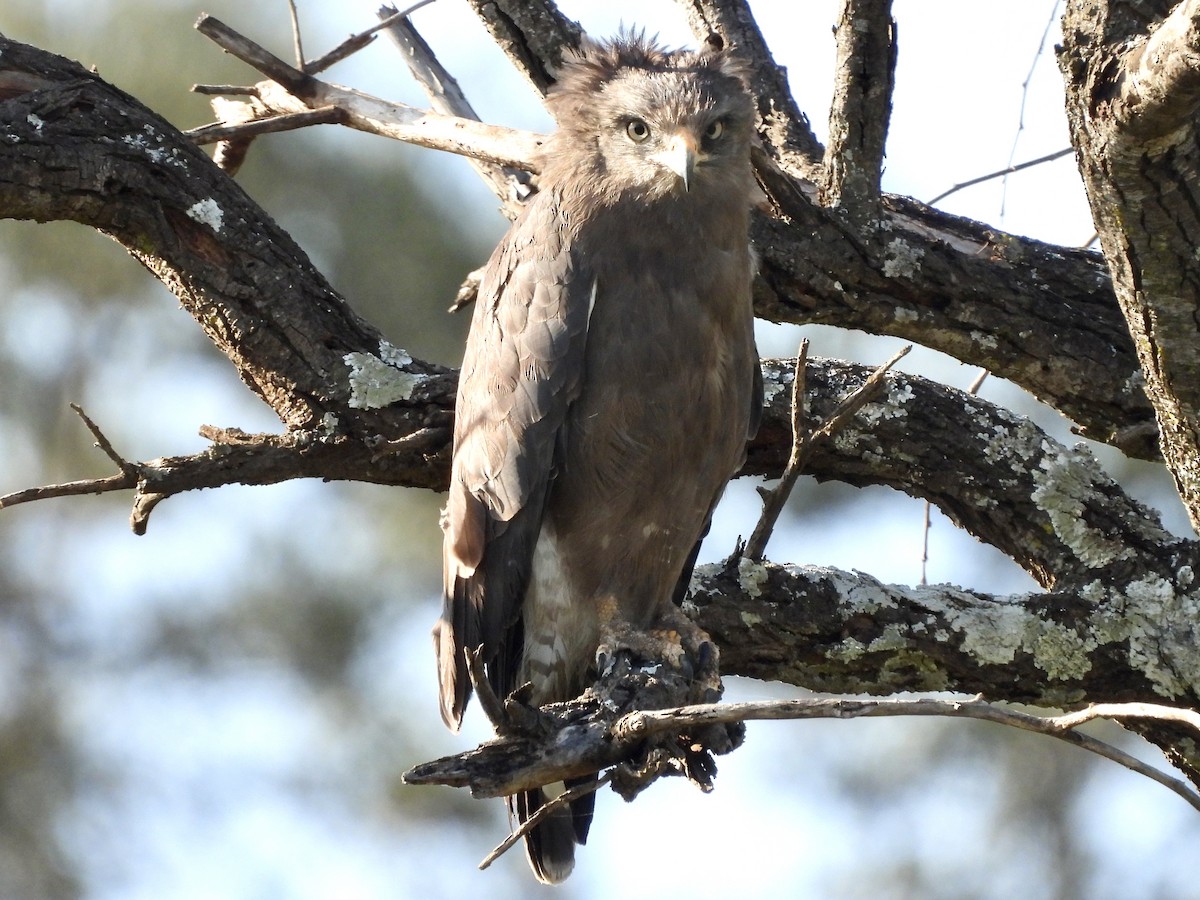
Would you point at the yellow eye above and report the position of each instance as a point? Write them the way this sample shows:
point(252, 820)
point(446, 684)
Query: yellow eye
point(637, 130)
point(714, 130)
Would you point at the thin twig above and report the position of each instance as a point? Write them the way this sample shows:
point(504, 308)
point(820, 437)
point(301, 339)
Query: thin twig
point(773, 501)
point(356, 42)
point(1050, 20)
point(297, 43)
point(849, 407)
point(1007, 170)
point(581, 790)
point(207, 134)
point(119, 482)
point(128, 477)
point(103, 442)
point(646, 722)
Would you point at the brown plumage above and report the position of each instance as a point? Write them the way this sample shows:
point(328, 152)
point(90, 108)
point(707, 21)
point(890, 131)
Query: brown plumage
point(609, 384)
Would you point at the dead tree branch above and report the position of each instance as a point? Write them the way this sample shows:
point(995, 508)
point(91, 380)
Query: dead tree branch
point(804, 441)
point(587, 737)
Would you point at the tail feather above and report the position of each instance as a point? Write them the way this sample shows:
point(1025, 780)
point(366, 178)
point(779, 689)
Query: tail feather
point(550, 845)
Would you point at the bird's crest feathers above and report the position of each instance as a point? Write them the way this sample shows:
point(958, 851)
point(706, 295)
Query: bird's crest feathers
point(597, 62)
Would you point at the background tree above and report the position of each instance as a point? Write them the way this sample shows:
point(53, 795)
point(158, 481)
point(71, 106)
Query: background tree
point(288, 665)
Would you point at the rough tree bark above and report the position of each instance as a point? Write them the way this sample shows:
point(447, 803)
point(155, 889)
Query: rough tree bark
point(1118, 618)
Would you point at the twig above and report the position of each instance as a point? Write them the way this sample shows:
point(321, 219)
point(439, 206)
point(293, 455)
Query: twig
point(773, 501)
point(254, 55)
point(128, 477)
point(1007, 170)
point(326, 115)
point(803, 445)
point(103, 442)
point(644, 723)
point(1050, 20)
point(297, 43)
point(69, 489)
point(581, 790)
point(356, 42)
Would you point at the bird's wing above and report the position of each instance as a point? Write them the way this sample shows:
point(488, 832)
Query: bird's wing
point(522, 369)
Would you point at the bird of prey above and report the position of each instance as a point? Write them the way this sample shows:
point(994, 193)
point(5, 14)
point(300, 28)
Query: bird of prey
point(609, 385)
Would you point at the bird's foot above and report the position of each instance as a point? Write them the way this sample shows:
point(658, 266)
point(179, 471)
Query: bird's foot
point(675, 643)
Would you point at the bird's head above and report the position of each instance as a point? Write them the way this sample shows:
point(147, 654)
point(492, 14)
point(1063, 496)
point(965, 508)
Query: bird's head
point(644, 121)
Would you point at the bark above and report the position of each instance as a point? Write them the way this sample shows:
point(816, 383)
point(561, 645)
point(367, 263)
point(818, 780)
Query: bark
point(1119, 622)
point(1133, 88)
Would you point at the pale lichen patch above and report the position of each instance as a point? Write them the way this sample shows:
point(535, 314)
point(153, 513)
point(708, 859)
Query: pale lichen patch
point(901, 259)
point(1062, 653)
point(997, 632)
point(207, 212)
point(751, 576)
point(149, 142)
point(750, 619)
point(1064, 480)
point(1159, 624)
point(986, 341)
point(379, 381)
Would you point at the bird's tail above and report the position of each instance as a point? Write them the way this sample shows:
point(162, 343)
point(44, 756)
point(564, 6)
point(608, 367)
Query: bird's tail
point(550, 845)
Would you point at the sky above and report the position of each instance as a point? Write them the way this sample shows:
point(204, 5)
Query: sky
point(230, 802)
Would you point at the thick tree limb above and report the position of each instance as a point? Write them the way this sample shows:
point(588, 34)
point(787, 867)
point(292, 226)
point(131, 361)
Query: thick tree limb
point(862, 106)
point(1133, 88)
point(844, 632)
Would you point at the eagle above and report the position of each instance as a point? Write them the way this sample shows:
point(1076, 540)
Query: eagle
point(609, 385)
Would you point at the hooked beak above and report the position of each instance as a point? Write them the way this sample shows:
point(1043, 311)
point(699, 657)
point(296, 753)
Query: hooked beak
point(680, 156)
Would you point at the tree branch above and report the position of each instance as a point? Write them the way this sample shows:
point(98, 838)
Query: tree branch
point(1132, 89)
point(862, 106)
point(576, 743)
point(1159, 79)
point(531, 33)
point(511, 185)
point(292, 91)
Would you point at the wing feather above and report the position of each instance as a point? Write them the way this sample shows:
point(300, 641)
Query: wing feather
point(522, 369)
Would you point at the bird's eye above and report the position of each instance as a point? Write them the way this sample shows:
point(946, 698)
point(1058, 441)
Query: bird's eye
point(637, 130)
point(714, 130)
